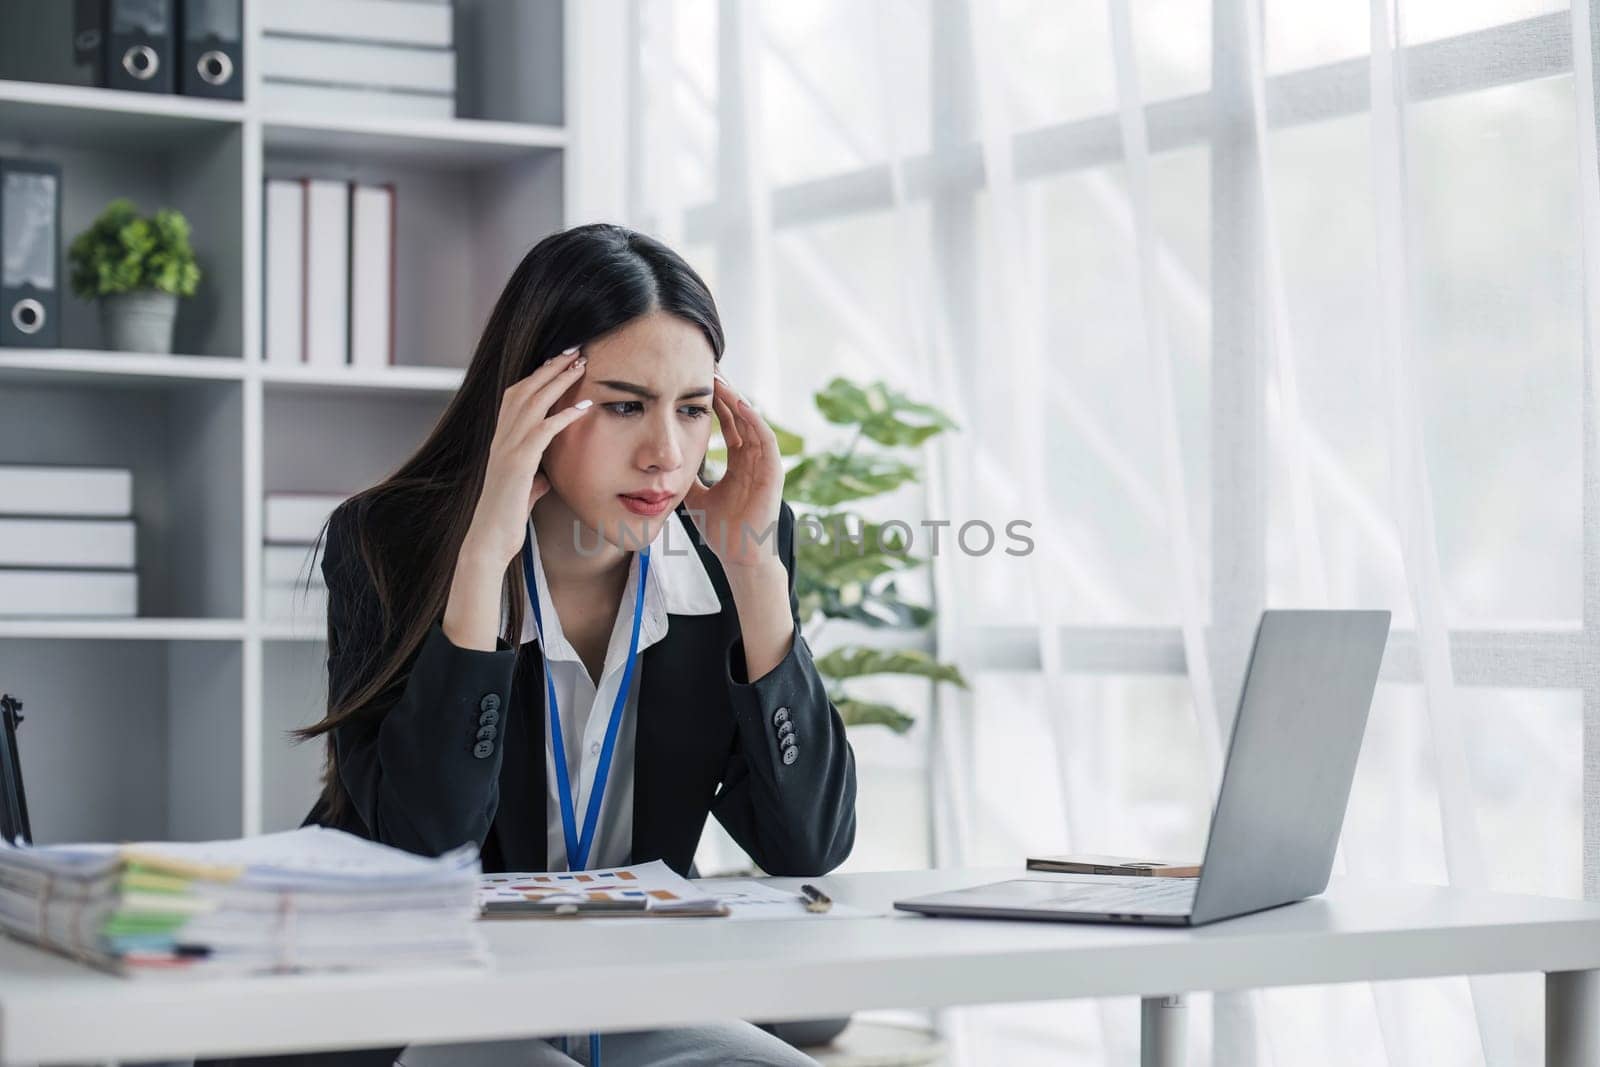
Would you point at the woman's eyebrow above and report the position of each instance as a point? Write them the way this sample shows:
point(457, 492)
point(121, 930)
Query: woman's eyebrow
point(639, 390)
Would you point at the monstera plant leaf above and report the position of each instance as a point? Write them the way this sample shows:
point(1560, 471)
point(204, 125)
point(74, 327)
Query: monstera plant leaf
point(870, 713)
point(831, 479)
point(883, 415)
point(859, 661)
point(877, 608)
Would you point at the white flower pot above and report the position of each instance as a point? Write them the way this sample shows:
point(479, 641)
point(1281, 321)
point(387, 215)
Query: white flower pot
point(139, 321)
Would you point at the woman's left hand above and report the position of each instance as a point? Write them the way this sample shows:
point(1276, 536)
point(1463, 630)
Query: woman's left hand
point(738, 516)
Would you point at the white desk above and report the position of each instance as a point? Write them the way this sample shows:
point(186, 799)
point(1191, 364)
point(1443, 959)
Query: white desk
point(679, 971)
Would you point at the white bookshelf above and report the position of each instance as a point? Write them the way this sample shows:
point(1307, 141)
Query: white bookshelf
point(463, 144)
point(172, 724)
point(84, 117)
point(128, 629)
point(397, 379)
point(78, 365)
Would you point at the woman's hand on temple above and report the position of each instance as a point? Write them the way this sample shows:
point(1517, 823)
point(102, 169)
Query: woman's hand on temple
point(738, 516)
point(512, 481)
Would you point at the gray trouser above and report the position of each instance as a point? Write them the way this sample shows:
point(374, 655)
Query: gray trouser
point(711, 1045)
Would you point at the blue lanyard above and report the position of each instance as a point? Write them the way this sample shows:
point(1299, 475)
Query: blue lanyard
point(578, 845)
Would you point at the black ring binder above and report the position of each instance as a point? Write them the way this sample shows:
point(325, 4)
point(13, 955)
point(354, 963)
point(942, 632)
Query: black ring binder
point(13, 798)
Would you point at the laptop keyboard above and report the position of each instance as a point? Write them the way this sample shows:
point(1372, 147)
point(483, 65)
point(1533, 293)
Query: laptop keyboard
point(1160, 896)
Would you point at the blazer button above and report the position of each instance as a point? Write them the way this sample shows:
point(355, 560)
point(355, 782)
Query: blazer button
point(785, 729)
point(790, 754)
point(490, 702)
point(780, 716)
point(483, 749)
point(486, 733)
point(489, 718)
point(787, 740)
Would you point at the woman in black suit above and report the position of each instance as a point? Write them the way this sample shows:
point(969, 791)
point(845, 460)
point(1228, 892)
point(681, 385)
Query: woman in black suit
point(665, 623)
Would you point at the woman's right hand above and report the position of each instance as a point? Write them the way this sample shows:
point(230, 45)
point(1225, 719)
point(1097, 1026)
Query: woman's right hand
point(513, 482)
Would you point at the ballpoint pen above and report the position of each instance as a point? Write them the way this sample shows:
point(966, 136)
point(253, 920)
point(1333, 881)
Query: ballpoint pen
point(815, 899)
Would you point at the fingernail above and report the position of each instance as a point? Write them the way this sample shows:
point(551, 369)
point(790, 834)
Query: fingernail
point(581, 361)
point(569, 351)
point(580, 405)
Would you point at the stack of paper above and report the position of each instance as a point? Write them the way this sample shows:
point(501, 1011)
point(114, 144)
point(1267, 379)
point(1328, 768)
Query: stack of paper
point(311, 899)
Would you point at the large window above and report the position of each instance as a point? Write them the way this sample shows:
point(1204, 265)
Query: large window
point(1340, 367)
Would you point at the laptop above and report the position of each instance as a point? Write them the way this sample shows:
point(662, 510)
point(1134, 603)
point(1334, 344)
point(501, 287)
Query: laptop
point(1285, 785)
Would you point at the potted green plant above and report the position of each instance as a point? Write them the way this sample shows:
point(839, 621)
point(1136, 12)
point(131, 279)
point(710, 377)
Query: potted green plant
point(136, 267)
point(847, 567)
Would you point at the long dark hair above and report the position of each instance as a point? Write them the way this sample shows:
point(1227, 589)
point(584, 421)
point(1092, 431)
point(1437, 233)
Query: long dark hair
point(571, 288)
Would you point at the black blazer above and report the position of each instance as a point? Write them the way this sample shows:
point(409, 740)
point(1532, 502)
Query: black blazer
point(708, 742)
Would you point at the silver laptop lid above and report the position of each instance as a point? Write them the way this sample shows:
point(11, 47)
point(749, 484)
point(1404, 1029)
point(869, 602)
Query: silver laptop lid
point(1286, 782)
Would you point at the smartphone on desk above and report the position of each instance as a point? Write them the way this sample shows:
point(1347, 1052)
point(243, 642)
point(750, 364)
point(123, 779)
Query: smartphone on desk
point(1115, 865)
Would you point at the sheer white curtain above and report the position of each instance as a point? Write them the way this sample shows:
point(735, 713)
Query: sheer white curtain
point(1239, 306)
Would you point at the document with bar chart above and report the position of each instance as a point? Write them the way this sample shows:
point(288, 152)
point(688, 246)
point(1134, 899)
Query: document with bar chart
point(663, 891)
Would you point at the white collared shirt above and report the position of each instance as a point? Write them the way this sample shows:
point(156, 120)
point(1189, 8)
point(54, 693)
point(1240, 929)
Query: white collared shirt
point(677, 585)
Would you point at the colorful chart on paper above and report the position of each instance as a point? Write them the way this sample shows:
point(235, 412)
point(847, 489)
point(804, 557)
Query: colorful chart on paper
point(652, 881)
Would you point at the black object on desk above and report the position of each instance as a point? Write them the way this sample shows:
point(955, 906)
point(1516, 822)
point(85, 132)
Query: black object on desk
point(562, 905)
point(815, 899)
point(13, 798)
